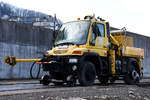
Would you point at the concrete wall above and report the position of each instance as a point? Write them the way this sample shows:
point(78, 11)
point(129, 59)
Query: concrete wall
point(24, 41)
point(141, 41)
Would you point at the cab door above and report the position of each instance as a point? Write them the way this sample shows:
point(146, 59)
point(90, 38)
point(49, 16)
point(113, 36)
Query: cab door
point(99, 41)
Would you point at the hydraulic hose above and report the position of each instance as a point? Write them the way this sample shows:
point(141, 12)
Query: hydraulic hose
point(31, 71)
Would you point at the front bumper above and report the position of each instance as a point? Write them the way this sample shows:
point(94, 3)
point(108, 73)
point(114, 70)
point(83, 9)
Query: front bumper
point(59, 63)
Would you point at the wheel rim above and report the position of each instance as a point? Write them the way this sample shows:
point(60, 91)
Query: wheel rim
point(135, 75)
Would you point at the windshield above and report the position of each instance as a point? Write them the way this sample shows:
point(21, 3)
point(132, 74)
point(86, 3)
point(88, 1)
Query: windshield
point(73, 33)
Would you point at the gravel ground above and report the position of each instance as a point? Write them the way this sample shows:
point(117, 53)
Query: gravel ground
point(117, 91)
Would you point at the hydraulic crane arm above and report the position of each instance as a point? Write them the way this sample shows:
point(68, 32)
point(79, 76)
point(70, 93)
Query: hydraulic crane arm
point(12, 60)
point(113, 40)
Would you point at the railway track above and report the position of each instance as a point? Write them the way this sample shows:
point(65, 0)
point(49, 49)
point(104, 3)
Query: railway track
point(37, 91)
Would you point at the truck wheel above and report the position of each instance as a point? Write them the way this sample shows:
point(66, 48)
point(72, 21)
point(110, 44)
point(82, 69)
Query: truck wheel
point(87, 74)
point(133, 76)
point(103, 79)
point(45, 80)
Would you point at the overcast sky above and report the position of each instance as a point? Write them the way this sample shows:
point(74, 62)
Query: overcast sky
point(132, 14)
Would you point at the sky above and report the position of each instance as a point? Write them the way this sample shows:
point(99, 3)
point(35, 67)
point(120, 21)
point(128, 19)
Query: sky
point(132, 14)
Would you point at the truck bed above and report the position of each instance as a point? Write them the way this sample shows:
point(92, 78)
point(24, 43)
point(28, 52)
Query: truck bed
point(133, 52)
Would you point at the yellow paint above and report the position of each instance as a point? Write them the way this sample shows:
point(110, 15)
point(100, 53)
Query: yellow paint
point(140, 65)
point(112, 53)
point(113, 40)
point(11, 60)
point(124, 40)
point(133, 52)
point(27, 60)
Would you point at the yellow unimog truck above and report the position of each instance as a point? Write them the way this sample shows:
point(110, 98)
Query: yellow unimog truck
point(85, 50)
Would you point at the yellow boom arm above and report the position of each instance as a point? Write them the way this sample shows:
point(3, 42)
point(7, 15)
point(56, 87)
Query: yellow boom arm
point(12, 60)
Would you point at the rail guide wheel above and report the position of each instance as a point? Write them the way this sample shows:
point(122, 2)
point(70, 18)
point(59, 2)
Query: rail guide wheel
point(45, 80)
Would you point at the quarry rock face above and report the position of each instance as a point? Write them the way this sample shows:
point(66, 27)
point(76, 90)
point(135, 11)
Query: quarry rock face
point(12, 13)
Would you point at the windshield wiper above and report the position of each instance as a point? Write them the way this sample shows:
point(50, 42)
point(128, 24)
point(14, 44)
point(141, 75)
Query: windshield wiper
point(64, 43)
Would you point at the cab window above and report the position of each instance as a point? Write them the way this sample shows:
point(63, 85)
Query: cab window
point(95, 33)
point(101, 29)
point(93, 37)
point(97, 30)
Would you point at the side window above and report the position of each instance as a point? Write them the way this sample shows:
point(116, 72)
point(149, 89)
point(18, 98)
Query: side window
point(101, 29)
point(93, 37)
point(95, 32)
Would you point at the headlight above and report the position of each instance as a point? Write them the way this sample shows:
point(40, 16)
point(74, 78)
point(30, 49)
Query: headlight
point(73, 60)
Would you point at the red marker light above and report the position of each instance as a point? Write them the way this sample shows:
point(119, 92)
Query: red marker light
point(78, 18)
point(47, 53)
point(76, 52)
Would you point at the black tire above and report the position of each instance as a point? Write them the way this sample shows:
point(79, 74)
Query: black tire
point(103, 79)
point(133, 76)
point(45, 80)
point(87, 74)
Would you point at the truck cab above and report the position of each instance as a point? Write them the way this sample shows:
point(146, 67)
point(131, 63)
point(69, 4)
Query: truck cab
point(89, 35)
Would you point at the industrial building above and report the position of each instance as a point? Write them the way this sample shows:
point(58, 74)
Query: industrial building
point(141, 41)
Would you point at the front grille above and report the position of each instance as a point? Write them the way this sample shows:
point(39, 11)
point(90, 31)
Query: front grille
point(59, 58)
